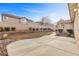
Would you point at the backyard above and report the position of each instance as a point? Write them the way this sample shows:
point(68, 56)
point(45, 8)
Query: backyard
point(25, 35)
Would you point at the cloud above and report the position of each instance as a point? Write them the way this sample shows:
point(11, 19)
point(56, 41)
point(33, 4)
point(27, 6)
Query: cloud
point(52, 14)
point(33, 10)
point(53, 17)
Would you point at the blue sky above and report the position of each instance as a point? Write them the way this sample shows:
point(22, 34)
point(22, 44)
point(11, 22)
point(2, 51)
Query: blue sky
point(36, 11)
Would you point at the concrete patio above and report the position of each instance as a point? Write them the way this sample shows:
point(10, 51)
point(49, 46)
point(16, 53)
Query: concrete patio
point(48, 45)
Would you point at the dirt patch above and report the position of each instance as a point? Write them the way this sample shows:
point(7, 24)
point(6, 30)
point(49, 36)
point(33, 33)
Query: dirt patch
point(26, 35)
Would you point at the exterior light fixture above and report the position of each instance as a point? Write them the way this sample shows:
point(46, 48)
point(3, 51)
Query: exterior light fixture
point(76, 9)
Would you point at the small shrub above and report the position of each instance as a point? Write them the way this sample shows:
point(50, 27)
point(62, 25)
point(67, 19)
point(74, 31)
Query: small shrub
point(1, 29)
point(60, 30)
point(7, 28)
point(33, 29)
point(13, 28)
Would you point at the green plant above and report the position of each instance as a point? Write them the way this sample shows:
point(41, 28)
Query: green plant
point(7, 28)
point(60, 30)
point(13, 28)
point(1, 29)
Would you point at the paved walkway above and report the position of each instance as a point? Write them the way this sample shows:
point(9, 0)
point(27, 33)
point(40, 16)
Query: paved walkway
point(49, 45)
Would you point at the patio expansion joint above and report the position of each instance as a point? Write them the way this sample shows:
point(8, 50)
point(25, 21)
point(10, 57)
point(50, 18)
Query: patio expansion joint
point(62, 49)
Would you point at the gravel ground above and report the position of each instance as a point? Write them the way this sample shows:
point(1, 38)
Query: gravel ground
point(3, 44)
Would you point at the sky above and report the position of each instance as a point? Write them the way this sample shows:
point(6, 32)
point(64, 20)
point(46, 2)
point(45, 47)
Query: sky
point(35, 11)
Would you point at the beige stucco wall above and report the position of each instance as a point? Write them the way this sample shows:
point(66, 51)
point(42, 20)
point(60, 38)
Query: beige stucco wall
point(65, 26)
point(59, 26)
point(76, 26)
point(68, 26)
point(13, 22)
point(20, 25)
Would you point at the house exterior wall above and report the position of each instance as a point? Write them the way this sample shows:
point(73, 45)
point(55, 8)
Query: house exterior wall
point(68, 26)
point(75, 17)
point(13, 22)
point(64, 26)
point(59, 26)
point(19, 24)
point(76, 26)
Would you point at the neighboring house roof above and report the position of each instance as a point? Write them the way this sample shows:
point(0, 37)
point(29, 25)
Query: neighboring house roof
point(64, 22)
point(9, 15)
point(67, 21)
point(27, 19)
point(17, 17)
